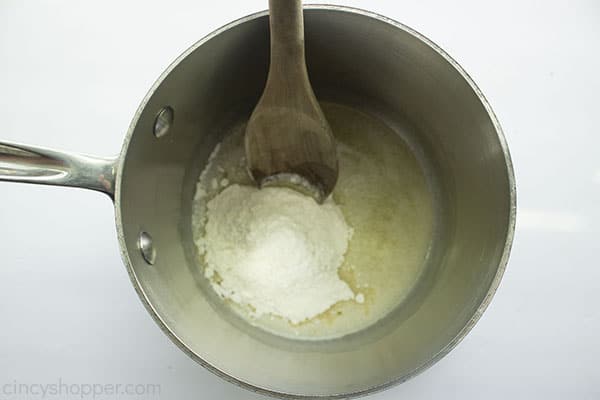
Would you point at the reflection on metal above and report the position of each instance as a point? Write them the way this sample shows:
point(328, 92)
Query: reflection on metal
point(164, 121)
point(146, 247)
point(32, 164)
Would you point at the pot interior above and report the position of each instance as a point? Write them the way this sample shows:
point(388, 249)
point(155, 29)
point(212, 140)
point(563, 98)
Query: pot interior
point(365, 63)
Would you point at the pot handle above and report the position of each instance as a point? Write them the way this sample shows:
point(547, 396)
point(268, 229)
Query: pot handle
point(31, 164)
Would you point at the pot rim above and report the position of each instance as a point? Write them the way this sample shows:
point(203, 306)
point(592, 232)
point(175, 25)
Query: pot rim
point(452, 343)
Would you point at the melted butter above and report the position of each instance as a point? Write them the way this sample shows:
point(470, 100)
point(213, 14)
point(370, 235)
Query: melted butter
point(384, 195)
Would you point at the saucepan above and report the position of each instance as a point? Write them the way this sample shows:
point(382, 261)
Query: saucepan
point(355, 58)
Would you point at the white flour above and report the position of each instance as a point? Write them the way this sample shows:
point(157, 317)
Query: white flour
point(276, 251)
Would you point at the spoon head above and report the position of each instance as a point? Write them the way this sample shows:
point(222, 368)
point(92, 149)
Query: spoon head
point(291, 148)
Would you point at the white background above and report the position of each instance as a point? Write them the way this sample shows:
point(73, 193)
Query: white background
point(72, 73)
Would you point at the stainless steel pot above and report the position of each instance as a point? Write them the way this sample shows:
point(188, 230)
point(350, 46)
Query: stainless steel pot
point(355, 58)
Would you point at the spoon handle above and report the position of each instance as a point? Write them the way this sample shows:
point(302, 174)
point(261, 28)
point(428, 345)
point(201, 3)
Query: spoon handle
point(287, 33)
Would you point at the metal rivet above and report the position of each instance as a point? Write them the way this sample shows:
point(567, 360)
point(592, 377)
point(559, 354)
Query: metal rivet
point(147, 247)
point(164, 121)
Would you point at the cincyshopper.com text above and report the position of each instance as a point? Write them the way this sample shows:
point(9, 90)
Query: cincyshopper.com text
point(61, 389)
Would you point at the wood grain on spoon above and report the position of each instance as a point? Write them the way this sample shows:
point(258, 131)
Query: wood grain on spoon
point(288, 140)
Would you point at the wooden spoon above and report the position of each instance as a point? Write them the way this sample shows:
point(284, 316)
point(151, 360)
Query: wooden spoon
point(288, 140)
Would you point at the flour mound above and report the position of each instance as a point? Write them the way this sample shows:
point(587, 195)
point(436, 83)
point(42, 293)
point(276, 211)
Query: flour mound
point(275, 251)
